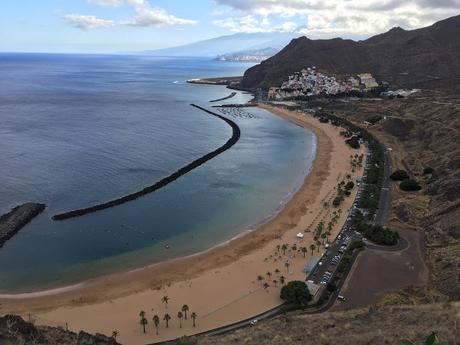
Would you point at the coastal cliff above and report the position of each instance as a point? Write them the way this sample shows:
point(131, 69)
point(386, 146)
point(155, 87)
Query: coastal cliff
point(17, 218)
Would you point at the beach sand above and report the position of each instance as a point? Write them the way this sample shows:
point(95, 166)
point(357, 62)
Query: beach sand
point(219, 285)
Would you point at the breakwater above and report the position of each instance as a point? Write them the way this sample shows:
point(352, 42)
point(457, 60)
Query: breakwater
point(17, 218)
point(236, 133)
point(233, 94)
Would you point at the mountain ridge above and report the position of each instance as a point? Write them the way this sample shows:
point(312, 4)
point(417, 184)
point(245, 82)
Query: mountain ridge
point(423, 58)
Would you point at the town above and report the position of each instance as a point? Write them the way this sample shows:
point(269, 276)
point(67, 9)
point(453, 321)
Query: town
point(311, 82)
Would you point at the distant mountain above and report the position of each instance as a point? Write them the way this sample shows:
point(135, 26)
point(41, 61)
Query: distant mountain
point(229, 44)
point(424, 58)
point(256, 55)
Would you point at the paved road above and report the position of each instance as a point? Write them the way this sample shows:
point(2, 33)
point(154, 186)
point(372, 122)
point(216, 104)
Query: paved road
point(385, 194)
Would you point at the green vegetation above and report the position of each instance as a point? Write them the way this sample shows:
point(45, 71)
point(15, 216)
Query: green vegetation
point(379, 234)
point(399, 175)
point(409, 185)
point(353, 142)
point(428, 170)
point(156, 322)
point(432, 339)
point(296, 292)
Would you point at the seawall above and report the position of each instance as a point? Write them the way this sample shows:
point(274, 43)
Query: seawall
point(17, 218)
point(236, 133)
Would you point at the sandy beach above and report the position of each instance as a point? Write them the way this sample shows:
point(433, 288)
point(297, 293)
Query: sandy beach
point(220, 285)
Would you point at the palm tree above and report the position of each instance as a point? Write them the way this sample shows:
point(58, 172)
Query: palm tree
point(294, 247)
point(115, 334)
point(167, 317)
point(156, 322)
point(318, 244)
point(165, 300)
point(312, 248)
point(282, 280)
point(284, 247)
point(260, 278)
point(185, 309)
point(275, 282)
point(278, 247)
point(143, 320)
point(180, 316)
point(193, 316)
point(277, 271)
point(287, 265)
point(304, 251)
point(323, 237)
point(266, 286)
point(269, 274)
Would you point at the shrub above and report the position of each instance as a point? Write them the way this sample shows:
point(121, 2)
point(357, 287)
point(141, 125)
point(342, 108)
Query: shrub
point(337, 200)
point(409, 185)
point(296, 292)
point(378, 234)
point(353, 142)
point(428, 170)
point(399, 175)
point(349, 185)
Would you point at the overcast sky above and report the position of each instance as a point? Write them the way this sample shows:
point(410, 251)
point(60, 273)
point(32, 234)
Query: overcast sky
point(136, 25)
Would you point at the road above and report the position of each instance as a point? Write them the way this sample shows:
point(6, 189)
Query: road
point(385, 194)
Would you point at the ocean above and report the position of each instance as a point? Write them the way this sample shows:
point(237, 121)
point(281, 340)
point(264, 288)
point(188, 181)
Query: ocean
point(77, 130)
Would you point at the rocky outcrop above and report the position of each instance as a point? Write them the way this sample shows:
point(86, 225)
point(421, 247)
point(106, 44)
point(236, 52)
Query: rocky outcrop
point(16, 219)
point(15, 331)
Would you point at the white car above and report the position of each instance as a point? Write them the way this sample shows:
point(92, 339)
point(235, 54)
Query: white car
point(253, 322)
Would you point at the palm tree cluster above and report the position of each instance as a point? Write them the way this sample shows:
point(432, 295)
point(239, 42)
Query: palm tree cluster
point(182, 314)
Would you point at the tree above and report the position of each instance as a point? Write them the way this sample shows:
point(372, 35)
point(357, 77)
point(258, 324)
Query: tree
point(282, 280)
point(185, 309)
point(294, 247)
point(166, 318)
point(349, 185)
point(156, 322)
point(312, 248)
point(399, 175)
point(318, 244)
point(284, 247)
point(296, 292)
point(165, 300)
point(180, 316)
point(323, 237)
point(304, 251)
point(269, 274)
point(115, 334)
point(409, 185)
point(277, 271)
point(287, 264)
point(260, 278)
point(193, 316)
point(266, 285)
point(143, 321)
point(278, 247)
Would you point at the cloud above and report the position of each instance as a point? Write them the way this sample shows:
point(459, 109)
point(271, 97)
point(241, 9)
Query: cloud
point(345, 18)
point(87, 22)
point(117, 3)
point(155, 17)
point(247, 24)
point(145, 16)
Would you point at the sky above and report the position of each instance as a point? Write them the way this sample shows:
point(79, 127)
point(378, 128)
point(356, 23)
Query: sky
point(116, 26)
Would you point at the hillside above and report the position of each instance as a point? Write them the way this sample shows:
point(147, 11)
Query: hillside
point(423, 58)
point(374, 325)
point(15, 331)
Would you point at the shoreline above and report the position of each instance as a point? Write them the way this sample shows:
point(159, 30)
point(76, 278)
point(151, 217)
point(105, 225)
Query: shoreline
point(241, 258)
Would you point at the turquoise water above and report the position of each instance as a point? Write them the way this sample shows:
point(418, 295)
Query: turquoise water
point(79, 130)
